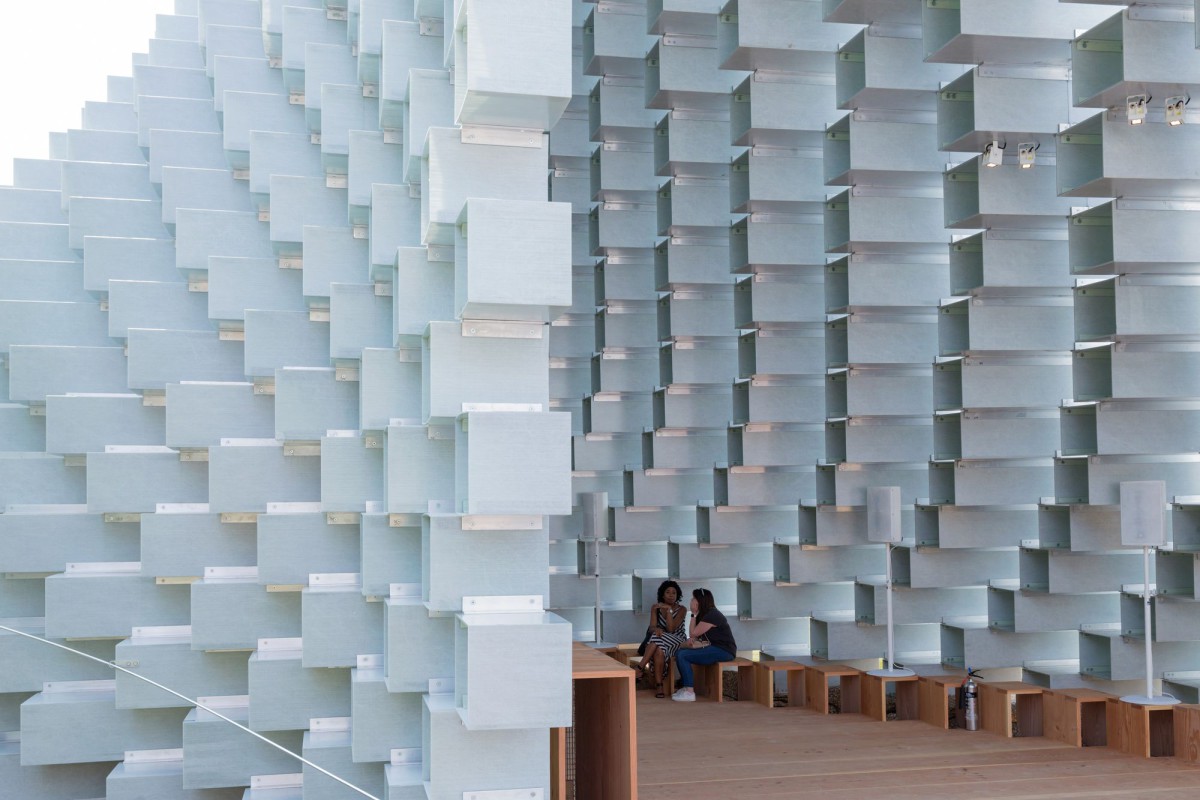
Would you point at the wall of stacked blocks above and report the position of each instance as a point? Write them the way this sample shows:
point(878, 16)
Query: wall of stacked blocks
point(359, 355)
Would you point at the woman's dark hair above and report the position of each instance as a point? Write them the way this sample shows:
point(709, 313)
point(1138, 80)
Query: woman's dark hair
point(705, 598)
point(662, 591)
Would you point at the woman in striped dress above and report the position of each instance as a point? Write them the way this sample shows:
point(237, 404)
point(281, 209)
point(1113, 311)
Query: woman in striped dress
point(666, 635)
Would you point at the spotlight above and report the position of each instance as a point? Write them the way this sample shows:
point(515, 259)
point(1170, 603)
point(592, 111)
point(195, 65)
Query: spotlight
point(1027, 154)
point(993, 154)
point(1135, 108)
point(1173, 109)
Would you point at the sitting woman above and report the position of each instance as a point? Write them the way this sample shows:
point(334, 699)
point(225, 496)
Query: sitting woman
point(710, 642)
point(666, 634)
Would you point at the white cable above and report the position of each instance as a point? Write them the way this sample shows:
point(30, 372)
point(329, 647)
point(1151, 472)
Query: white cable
point(216, 714)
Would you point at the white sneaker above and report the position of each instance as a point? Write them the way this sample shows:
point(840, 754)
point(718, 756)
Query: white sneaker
point(685, 695)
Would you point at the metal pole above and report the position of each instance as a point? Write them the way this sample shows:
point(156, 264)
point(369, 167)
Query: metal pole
point(599, 638)
point(1146, 617)
point(891, 637)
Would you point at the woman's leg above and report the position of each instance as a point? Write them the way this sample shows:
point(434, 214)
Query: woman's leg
point(648, 660)
point(660, 676)
point(685, 658)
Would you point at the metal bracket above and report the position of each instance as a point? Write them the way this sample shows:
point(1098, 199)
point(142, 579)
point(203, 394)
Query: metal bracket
point(689, 40)
point(153, 756)
point(524, 408)
point(231, 573)
point(288, 781)
point(493, 329)
point(329, 724)
point(502, 604)
point(497, 522)
point(293, 508)
point(506, 137)
point(181, 508)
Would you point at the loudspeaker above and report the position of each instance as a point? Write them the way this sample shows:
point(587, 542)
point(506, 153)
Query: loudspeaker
point(883, 514)
point(594, 506)
point(1143, 521)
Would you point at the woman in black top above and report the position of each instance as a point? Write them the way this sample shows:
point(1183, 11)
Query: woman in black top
point(710, 642)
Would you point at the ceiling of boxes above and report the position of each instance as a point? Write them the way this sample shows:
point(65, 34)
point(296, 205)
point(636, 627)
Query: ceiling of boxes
point(360, 355)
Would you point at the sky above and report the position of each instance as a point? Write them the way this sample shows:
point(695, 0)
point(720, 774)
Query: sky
point(56, 54)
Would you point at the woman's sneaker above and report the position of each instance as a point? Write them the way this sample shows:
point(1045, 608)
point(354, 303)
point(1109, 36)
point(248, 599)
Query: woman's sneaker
point(685, 695)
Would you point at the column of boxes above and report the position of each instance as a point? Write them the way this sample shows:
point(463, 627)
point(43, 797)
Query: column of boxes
point(1006, 453)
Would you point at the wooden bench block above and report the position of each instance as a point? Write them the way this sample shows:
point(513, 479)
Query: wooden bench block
point(817, 679)
point(613, 652)
point(764, 683)
point(1146, 731)
point(1076, 717)
point(1187, 733)
point(873, 696)
point(934, 700)
point(996, 708)
point(708, 679)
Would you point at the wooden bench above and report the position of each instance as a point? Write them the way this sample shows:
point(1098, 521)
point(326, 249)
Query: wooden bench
point(873, 696)
point(1146, 731)
point(1075, 716)
point(817, 681)
point(708, 679)
point(934, 698)
point(996, 708)
point(764, 683)
point(1187, 733)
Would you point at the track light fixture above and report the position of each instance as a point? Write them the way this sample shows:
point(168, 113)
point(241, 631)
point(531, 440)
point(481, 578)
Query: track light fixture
point(993, 154)
point(1027, 154)
point(1173, 109)
point(1135, 108)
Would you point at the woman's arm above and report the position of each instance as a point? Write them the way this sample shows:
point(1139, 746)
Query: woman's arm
point(654, 619)
point(697, 630)
point(675, 619)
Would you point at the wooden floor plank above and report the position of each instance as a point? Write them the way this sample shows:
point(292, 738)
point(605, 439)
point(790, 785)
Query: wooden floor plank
point(753, 751)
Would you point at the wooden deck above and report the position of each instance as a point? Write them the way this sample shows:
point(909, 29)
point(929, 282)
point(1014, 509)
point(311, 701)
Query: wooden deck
point(705, 750)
